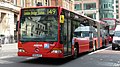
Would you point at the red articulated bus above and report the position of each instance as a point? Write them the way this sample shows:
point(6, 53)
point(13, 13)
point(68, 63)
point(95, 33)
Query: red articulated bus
point(104, 33)
point(112, 25)
point(54, 32)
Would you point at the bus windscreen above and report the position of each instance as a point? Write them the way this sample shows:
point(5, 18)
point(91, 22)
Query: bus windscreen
point(39, 24)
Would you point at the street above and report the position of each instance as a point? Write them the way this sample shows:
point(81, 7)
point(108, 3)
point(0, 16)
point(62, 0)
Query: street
point(105, 57)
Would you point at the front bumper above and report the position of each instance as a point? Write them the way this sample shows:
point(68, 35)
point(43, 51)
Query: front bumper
point(115, 44)
point(44, 55)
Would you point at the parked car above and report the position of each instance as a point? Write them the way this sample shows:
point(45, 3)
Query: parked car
point(116, 38)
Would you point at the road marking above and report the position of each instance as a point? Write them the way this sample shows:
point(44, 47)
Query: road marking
point(99, 50)
point(111, 59)
point(101, 59)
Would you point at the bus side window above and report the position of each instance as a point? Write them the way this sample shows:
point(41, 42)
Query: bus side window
point(91, 34)
point(64, 37)
point(61, 34)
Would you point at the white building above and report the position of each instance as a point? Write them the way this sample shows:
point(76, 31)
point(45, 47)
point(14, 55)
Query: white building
point(8, 18)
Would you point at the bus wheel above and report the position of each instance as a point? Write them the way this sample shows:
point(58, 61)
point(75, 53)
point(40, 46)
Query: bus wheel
point(105, 44)
point(113, 48)
point(75, 52)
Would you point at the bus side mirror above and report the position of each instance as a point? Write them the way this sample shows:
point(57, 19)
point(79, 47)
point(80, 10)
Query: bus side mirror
point(62, 18)
point(17, 26)
point(61, 42)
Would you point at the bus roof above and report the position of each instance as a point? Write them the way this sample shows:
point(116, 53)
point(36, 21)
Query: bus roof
point(84, 28)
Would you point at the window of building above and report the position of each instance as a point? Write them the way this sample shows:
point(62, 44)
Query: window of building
point(27, 3)
point(106, 5)
point(89, 6)
point(116, 1)
point(33, 2)
point(113, 7)
point(110, 5)
point(117, 11)
point(14, 2)
point(91, 15)
point(22, 3)
point(116, 6)
point(117, 16)
point(78, 6)
point(101, 6)
point(108, 15)
point(112, 1)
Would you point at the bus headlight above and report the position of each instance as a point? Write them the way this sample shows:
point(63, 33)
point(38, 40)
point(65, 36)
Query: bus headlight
point(56, 51)
point(21, 50)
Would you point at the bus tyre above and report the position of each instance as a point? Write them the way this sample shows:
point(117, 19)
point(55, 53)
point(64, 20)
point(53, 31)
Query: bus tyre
point(105, 44)
point(75, 52)
point(113, 48)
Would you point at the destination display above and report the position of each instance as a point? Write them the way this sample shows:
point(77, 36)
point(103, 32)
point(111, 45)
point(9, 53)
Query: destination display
point(40, 11)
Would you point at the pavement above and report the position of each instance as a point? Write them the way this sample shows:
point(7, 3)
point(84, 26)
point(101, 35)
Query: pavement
point(9, 46)
point(8, 50)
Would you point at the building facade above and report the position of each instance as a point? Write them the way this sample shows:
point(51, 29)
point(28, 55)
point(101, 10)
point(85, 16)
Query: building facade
point(8, 18)
point(117, 6)
point(98, 9)
point(107, 9)
point(68, 4)
point(87, 7)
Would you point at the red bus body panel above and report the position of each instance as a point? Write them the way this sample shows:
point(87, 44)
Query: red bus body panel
point(83, 44)
point(30, 49)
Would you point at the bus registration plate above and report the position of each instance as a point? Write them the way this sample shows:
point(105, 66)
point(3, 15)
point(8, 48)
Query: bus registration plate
point(37, 55)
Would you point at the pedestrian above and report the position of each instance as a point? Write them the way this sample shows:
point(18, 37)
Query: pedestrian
point(6, 40)
point(0, 43)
